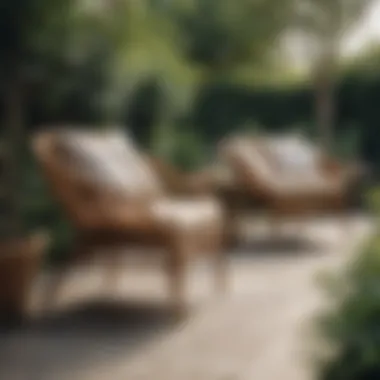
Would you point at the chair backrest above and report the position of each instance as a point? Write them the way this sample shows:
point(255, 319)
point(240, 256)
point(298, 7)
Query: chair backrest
point(268, 163)
point(246, 158)
point(87, 169)
point(292, 154)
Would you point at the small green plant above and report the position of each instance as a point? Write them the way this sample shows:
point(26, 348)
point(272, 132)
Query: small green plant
point(40, 210)
point(373, 200)
point(350, 329)
point(188, 151)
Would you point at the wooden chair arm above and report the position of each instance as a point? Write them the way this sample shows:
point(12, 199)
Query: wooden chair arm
point(117, 215)
point(350, 171)
point(331, 167)
point(179, 182)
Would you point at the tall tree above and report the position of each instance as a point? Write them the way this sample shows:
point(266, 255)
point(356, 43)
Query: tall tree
point(325, 23)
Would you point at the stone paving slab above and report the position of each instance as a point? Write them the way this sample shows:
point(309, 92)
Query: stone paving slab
point(259, 330)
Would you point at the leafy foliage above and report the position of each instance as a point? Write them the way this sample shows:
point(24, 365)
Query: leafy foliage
point(182, 70)
point(351, 328)
point(32, 29)
point(221, 33)
point(40, 210)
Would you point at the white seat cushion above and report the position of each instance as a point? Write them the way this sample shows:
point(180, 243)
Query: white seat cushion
point(306, 186)
point(187, 215)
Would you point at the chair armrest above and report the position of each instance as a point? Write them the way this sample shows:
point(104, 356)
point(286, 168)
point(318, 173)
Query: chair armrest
point(118, 215)
point(181, 183)
point(349, 171)
point(331, 167)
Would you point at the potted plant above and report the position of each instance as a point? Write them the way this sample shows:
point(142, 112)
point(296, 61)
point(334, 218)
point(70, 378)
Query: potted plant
point(21, 252)
point(21, 27)
point(20, 259)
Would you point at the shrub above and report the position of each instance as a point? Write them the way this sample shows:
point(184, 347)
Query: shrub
point(41, 211)
point(350, 329)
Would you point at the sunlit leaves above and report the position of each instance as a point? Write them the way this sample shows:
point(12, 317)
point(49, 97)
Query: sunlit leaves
point(223, 33)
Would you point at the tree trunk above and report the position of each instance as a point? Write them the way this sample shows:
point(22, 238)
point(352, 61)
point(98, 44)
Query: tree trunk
point(324, 106)
point(12, 155)
point(324, 114)
point(324, 94)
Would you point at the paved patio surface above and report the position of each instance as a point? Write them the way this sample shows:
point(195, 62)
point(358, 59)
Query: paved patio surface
point(260, 330)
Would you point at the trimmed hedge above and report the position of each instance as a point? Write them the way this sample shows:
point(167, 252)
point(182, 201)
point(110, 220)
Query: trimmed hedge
point(222, 108)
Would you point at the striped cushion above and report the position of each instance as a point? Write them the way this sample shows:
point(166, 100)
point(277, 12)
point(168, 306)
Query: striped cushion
point(109, 160)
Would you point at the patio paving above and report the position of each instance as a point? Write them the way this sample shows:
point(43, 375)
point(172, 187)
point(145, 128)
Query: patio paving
point(259, 330)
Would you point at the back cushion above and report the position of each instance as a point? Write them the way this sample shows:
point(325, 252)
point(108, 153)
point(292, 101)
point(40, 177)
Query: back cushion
point(274, 162)
point(292, 155)
point(110, 161)
point(250, 156)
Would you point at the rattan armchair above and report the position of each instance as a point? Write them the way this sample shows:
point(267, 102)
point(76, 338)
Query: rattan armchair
point(118, 199)
point(259, 178)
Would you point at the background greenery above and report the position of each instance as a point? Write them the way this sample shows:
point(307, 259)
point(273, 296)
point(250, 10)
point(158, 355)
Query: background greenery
point(178, 74)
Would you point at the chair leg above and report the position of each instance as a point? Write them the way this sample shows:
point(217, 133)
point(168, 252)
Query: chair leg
point(231, 238)
point(346, 223)
point(54, 286)
point(112, 275)
point(220, 263)
point(56, 282)
point(220, 268)
point(275, 225)
point(343, 213)
point(176, 267)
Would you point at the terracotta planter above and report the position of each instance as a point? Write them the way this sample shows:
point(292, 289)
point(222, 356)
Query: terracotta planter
point(20, 261)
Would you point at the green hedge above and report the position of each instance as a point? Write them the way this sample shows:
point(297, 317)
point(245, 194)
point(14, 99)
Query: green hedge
point(219, 108)
point(222, 108)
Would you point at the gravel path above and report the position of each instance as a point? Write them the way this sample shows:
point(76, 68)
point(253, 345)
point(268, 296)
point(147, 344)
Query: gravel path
point(260, 330)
